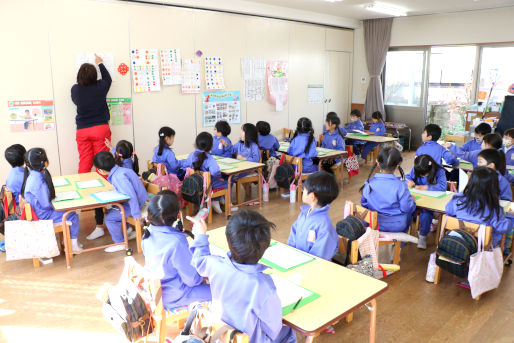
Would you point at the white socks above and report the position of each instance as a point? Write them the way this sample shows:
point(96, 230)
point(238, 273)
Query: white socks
point(216, 206)
point(97, 232)
point(75, 245)
point(422, 242)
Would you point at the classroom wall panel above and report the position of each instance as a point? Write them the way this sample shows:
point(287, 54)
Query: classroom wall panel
point(339, 40)
point(76, 27)
point(26, 74)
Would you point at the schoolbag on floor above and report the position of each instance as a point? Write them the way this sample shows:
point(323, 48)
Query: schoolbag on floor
point(127, 312)
point(454, 250)
point(285, 175)
point(192, 189)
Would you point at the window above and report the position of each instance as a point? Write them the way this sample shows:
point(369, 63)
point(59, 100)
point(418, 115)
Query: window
point(404, 78)
point(497, 66)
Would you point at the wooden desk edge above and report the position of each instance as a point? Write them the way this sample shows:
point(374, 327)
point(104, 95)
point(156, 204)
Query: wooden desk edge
point(88, 207)
point(338, 318)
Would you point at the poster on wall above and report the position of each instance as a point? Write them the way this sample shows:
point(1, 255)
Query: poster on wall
point(120, 110)
point(89, 57)
point(277, 83)
point(221, 105)
point(31, 115)
point(253, 70)
point(214, 73)
point(191, 82)
point(145, 70)
point(171, 67)
point(315, 94)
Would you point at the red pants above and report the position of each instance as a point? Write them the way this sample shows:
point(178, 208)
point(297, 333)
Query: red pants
point(90, 141)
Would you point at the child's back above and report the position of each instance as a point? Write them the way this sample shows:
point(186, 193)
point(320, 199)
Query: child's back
point(269, 142)
point(126, 181)
point(209, 164)
point(297, 149)
point(14, 182)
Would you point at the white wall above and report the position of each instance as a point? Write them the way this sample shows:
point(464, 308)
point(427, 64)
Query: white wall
point(41, 59)
point(487, 26)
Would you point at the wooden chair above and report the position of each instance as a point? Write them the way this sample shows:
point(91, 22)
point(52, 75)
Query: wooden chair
point(25, 206)
point(297, 161)
point(246, 182)
point(7, 198)
point(455, 224)
point(136, 223)
point(455, 139)
point(287, 133)
point(337, 169)
point(213, 194)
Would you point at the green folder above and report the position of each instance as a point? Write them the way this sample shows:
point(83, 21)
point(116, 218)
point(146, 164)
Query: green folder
point(430, 196)
point(281, 269)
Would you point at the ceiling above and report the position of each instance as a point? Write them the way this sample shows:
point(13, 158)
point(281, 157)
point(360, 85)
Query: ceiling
point(353, 8)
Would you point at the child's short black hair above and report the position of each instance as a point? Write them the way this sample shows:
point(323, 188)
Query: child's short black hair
point(509, 133)
point(15, 155)
point(223, 127)
point(104, 160)
point(164, 208)
point(494, 140)
point(483, 129)
point(324, 187)
point(263, 128)
point(355, 113)
point(377, 115)
point(434, 131)
point(248, 235)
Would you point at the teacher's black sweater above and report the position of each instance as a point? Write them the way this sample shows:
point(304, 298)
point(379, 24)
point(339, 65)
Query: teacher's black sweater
point(92, 108)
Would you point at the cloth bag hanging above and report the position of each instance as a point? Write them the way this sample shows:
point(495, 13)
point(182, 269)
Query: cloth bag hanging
point(30, 239)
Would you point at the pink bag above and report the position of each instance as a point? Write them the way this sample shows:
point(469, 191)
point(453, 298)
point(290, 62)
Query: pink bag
point(169, 181)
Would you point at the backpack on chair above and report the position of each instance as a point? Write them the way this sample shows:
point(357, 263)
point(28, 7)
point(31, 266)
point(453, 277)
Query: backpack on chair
point(351, 228)
point(168, 180)
point(193, 188)
point(285, 175)
point(454, 251)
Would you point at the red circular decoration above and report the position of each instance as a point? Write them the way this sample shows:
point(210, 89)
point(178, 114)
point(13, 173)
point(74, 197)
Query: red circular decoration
point(122, 69)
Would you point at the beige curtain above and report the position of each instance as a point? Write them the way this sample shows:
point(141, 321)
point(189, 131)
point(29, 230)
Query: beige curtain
point(377, 36)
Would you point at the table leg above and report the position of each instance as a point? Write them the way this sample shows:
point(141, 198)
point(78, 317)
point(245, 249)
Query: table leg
point(373, 320)
point(228, 201)
point(123, 224)
point(66, 235)
point(260, 186)
point(410, 136)
point(309, 339)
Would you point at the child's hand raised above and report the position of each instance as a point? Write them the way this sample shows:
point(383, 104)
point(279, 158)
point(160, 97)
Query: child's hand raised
point(199, 225)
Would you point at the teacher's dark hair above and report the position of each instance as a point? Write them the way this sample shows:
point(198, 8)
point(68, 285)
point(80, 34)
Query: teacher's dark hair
point(87, 75)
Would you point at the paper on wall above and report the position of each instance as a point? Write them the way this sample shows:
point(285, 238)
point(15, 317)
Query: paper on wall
point(145, 70)
point(171, 67)
point(314, 94)
point(214, 73)
point(277, 83)
point(31, 115)
point(221, 105)
point(89, 57)
point(191, 75)
point(253, 70)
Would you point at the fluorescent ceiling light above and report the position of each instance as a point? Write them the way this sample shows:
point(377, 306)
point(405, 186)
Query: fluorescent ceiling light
point(333, 0)
point(384, 8)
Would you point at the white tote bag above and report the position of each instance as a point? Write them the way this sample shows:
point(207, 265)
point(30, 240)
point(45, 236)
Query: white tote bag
point(30, 239)
point(485, 267)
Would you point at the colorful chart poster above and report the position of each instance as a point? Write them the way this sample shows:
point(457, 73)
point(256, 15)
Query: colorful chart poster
point(277, 83)
point(171, 67)
point(214, 73)
point(253, 70)
point(31, 115)
point(89, 57)
point(120, 110)
point(221, 105)
point(145, 70)
point(191, 82)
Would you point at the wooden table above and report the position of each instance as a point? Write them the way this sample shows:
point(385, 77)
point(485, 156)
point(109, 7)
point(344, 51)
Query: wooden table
point(87, 202)
point(240, 166)
point(371, 138)
point(323, 153)
point(341, 290)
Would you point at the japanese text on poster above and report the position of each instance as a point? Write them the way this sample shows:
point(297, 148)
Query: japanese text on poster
point(221, 105)
point(254, 76)
point(277, 83)
point(120, 110)
point(31, 115)
point(108, 61)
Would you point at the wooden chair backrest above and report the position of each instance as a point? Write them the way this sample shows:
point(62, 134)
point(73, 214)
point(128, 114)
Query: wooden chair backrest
point(320, 139)
point(153, 165)
point(11, 204)
point(287, 133)
point(453, 223)
point(152, 187)
point(150, 288)
point(453, 138)
point(364, 214)
point(295, 161)
point(264, 154)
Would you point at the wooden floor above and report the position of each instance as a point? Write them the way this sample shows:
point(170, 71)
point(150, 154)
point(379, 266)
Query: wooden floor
point(53, 304)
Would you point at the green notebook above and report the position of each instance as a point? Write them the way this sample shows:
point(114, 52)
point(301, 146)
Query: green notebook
point(284, 258)
point(292, 296)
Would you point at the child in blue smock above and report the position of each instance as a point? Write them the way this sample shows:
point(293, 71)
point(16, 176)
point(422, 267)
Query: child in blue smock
point(167, 253)
point(222, 146)
point(128, 183)
point(333, 138)
point(495, 160)
point(38, 190)
point(430, 136)
point(15, 155)
point(163, 153)
point(313, 231)
point(377, 128)
point(304, 145)
point(490, 141)
point(328, 118)
point(428, 175)
point(124, 155)
point(200, 159)
point(508, 143)
point(387, 194)
point(476, 143)
point(479, 203)
point(355, 124)
point(247, 149)
point(247, 298)
point(266, 140)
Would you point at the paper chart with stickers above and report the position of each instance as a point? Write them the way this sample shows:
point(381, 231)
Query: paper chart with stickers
point(145, 70)
point(31, 115)
point(214, 73)
point(120, 110)
point(89, 57)
point(171, 67)
point(221, 105)
point(191, 82)
point(253, 70)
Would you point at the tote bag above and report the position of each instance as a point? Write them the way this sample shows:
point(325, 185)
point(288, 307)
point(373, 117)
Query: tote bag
point(30, 239)
point(485, 267)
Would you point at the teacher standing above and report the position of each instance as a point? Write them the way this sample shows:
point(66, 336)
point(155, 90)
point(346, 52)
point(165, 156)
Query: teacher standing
point(92, 112)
